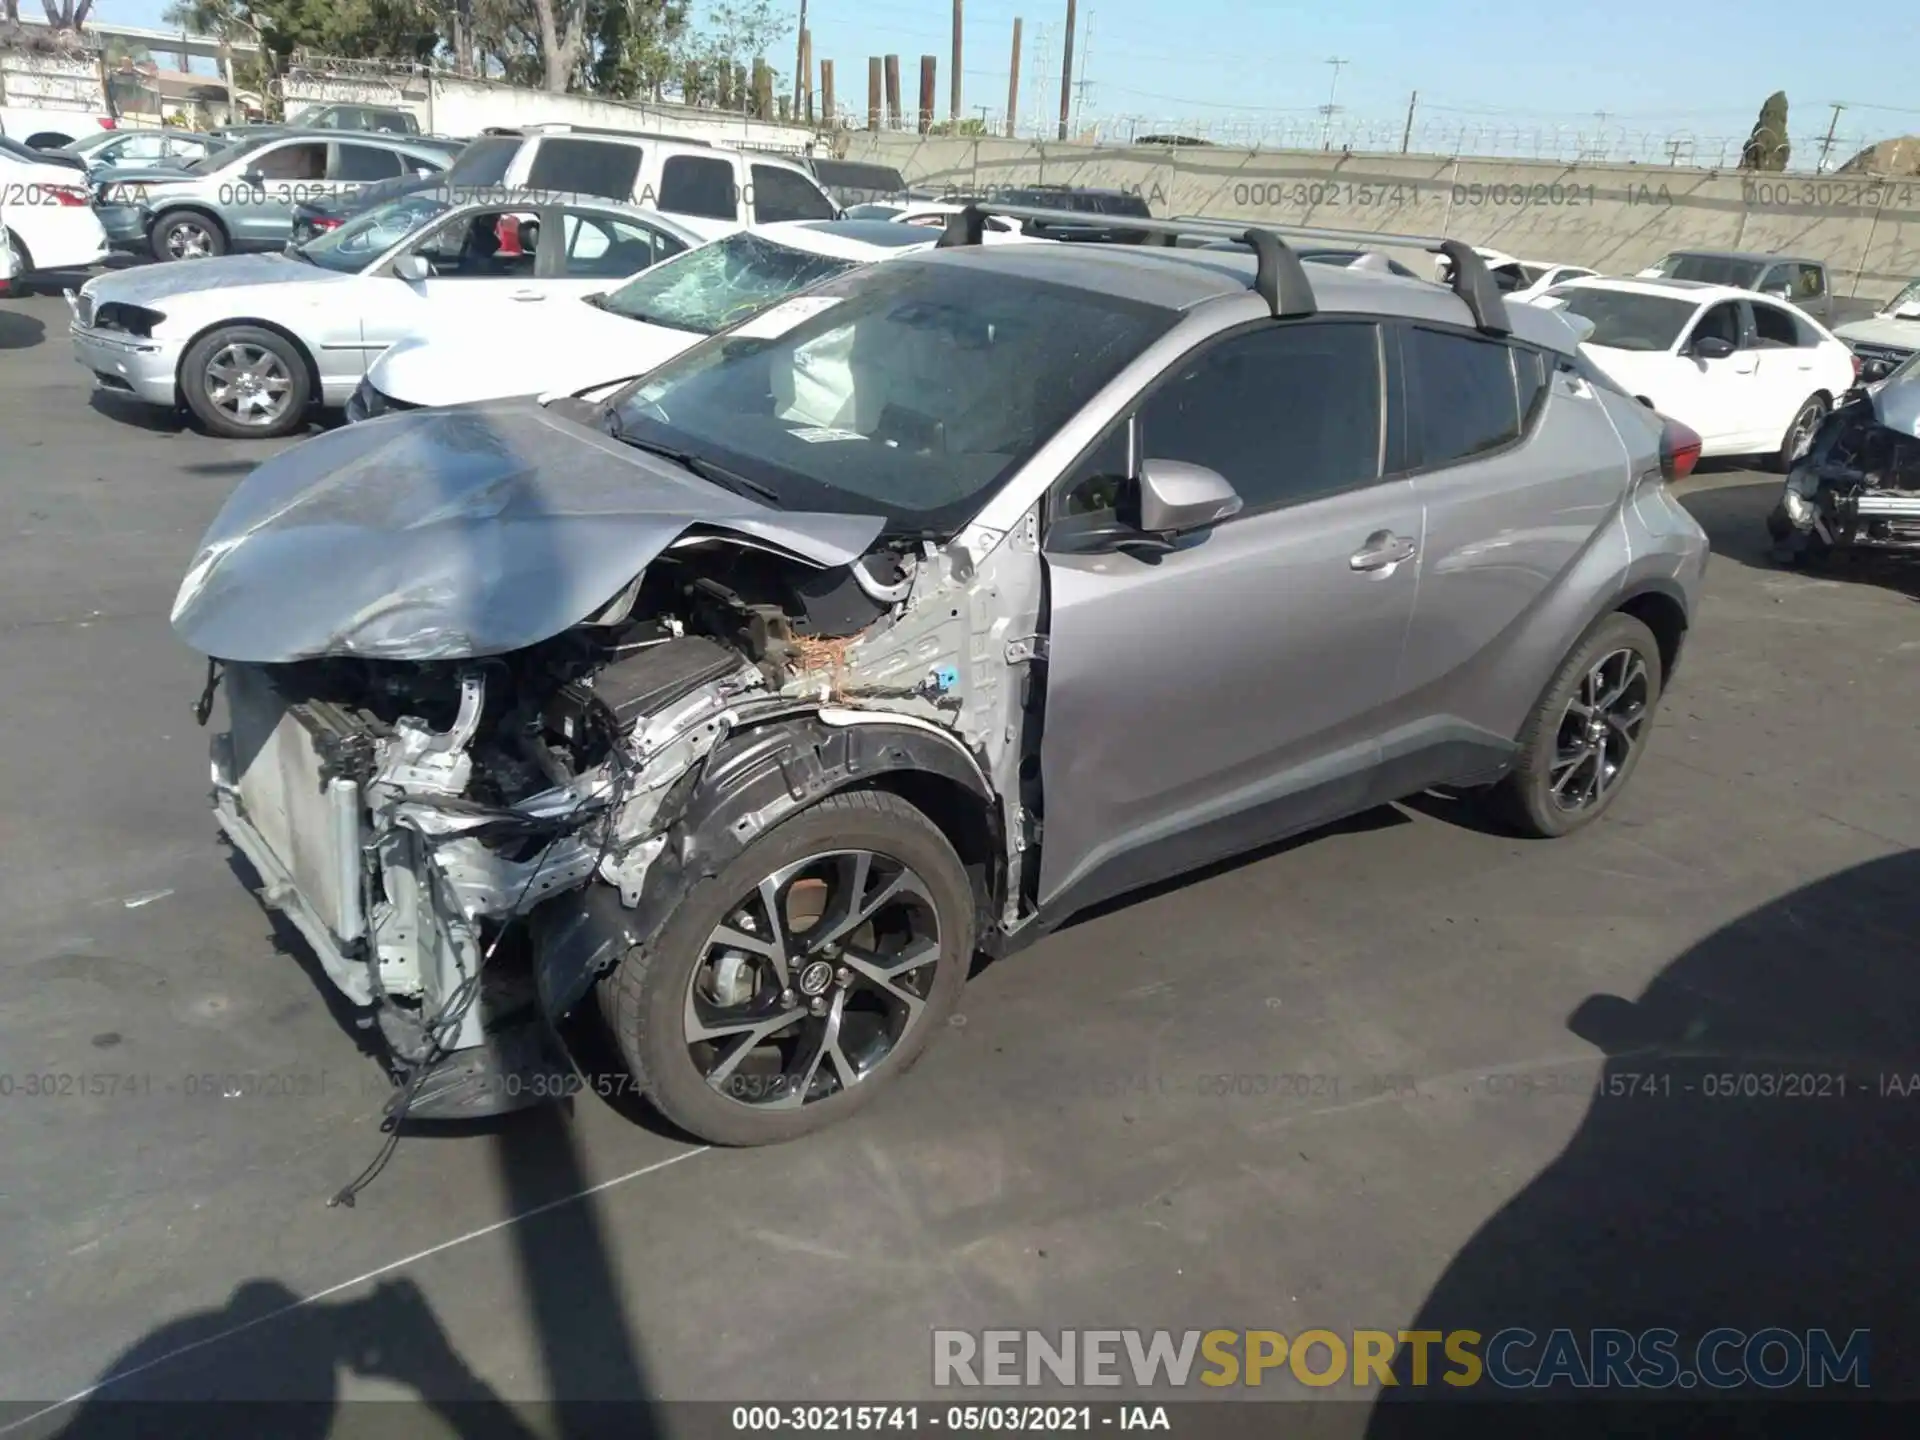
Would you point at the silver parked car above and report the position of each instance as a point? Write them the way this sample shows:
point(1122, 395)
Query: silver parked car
point(903, 620)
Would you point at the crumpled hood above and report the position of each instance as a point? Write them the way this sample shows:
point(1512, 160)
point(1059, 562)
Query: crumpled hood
point(445, 534)
point(148, 284)
point(566, 346)
point(1896, 403)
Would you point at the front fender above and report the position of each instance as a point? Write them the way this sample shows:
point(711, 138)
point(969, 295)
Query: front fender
point(749, 784)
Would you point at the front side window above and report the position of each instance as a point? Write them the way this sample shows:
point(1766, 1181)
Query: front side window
point(370, 234)
point(1285, 413)
point(1468, 395)
point(1722, 322)
point(781, 194)
point(700, 186)
point(483, 245)
point(904, 390)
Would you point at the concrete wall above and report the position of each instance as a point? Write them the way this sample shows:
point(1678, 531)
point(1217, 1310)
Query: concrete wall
point(1614, 218)
point(51, 82)
point(451, 105)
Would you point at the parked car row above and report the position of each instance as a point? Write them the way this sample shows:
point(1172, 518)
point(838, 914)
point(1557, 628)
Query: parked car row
point(707, 685)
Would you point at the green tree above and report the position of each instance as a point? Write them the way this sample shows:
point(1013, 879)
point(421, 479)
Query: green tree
point(1767, 147)
point(636, 47)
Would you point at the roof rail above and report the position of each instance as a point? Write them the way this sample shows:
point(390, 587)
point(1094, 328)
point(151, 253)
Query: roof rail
point(1279, 278)
point(1468, 276)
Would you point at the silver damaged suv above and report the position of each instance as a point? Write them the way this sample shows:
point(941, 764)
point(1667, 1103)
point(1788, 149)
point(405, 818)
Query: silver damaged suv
point(899, 623)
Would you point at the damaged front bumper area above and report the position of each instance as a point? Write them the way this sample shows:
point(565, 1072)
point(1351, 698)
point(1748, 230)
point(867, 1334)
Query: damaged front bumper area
point(366, 832)
point(1857, 487)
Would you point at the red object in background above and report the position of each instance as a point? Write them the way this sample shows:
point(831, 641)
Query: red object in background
point(507, 230)
point(107, 122)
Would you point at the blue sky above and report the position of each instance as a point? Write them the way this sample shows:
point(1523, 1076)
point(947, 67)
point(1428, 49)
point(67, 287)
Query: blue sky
point(1702, 67)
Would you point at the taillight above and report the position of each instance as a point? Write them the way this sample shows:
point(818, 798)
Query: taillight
point(325, 222)
point(1679, 451)
point(107, 122)
point(1857, 367)
point(67, 195)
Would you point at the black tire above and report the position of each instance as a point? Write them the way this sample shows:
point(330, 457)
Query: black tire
point(1806, 420)
point(288, 414)
point(1525, 798)
point(645, 997)
point(169, 236)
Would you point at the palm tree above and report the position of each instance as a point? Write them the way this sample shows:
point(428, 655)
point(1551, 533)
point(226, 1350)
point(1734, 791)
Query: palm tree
point(61, 14)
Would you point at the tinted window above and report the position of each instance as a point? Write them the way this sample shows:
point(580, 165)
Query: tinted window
point(293, 162)
point(1531, 372)
point(1284, 413)
point(609, 247)
point(366, 162)
point(484, 162)
point(780, 194)
point(1713, 269)
point(695, 185)
point(898, 390)
point(1775, 327)
point(1468, 396)
point(585, 167)
point(396, 121)
point(1722, 322)
point(1628, 319)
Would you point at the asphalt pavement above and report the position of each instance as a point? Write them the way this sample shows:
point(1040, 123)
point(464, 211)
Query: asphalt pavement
point(1423, 1028)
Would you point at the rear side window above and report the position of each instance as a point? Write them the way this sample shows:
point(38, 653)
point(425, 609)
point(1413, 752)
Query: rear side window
point(1286, 413)
point(780, 194)
point(365, 162)
point(1469, 394)
point(698, 185)
point(1775, 328)
point(585, 167)
point(484, 162)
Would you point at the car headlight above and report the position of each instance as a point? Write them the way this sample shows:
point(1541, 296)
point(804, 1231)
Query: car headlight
point(1799, 507)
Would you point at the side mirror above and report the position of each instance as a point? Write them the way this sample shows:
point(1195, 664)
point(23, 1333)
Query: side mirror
point(1711, 347)
point(412, 268)
point(1177, 497)
point(253, 179)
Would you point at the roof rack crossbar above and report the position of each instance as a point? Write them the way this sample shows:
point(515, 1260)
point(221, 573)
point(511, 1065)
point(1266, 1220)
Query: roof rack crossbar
point(1468, 276)
point(1278, 276)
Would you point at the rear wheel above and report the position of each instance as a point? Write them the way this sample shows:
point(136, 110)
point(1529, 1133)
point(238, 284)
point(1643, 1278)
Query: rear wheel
point(1582, 742)
point(1806, 421)
point(22, 259)
point(187, 235)
point(246, 383)
point(788, 989)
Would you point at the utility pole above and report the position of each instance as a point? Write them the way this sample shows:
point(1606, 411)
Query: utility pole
point(953, 91)
point(1082, 86)
point(927, 67)
point(1406, 136)
point(1827, 144)
point(829, 113)
point(800, 60)
point(1066, 72)
point(1013, 84)
point(1329, 109)
point(874, 92)
point(804, 111)
point(893, 92)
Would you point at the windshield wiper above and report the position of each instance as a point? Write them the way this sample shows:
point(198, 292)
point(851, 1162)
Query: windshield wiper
point(713, 474)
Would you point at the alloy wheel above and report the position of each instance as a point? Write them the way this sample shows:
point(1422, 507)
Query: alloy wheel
point(1599, 730)
point(249, 384)
point(1804, 424)
point(812, 979)
point(189, 241)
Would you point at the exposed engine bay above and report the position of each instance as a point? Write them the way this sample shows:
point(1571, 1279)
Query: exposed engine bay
point(409, 815)
point(1856, 487)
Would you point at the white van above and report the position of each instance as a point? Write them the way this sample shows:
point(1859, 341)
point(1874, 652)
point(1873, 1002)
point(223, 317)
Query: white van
point(712, 189)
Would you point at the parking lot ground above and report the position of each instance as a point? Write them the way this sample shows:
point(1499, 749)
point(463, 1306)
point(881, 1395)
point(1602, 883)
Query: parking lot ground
point(1367, 1078)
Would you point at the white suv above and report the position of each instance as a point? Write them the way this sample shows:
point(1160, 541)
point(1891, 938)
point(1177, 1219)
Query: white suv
point(712, 190)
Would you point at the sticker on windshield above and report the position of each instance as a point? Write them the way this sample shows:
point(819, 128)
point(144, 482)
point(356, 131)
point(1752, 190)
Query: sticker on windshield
point(777, 321)
point(818, 434)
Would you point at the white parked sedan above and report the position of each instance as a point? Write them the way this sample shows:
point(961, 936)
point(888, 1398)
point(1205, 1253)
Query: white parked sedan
point(1753, 376)
point(252, 343)
point(626, 332)
point(49, 220)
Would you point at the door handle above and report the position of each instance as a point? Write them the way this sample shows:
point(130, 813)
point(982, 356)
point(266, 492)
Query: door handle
point(1382, 550)
point(528, 295)
point(1744, 367)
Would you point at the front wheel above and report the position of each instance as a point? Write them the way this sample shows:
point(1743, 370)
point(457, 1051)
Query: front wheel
point(1582, 742)
point(246, 383)
point(187, 235)
point(812, 971)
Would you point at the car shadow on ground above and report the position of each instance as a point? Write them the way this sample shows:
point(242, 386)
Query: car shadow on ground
point(20, 332)
point(1735, 519)
point(1749, 1158)
point(269, 1361)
